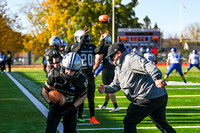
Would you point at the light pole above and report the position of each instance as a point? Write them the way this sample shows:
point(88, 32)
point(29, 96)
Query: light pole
point(113, 22)
point(181, 22)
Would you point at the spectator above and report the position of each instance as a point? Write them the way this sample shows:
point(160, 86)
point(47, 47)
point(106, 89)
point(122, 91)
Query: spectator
point(2, 61)
point(9, 60)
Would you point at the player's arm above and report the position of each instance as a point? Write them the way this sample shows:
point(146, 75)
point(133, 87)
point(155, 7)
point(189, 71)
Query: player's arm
point(97, 61)
point(45, 90)
point(81, 43)
point(80, 99)
point(100, 47)
point(82, 91)
point(189, 60)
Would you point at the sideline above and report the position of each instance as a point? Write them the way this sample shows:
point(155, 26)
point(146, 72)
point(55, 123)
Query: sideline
point(35, 101)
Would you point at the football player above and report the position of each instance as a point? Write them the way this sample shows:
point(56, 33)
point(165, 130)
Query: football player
point(73, 85)
point(148, 55)
point(107, 73)
point(174, 62)
point(193, 61)
point(87, 52)
point(44, 62)
point(52, 55)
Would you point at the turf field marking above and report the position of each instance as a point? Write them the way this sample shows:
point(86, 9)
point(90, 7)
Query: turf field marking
point(92, 129)
point(183, 88)
point(168, 96)
point(11, 99)
point(35, 101)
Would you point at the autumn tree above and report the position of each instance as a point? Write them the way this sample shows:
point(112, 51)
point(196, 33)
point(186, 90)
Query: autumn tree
point(192, 32)
point(10, 38)
point(63, 17)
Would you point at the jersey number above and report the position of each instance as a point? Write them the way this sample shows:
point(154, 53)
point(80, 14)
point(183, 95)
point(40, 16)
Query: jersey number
point(87, 59)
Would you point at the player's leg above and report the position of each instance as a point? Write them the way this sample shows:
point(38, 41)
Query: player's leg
point(179, 69)
point(197, 66)
point(114, 101)
point(189, 67)
point(91, 92)
point(171, 68)
point(53, 120)
point(69, 122)
point(80, 112)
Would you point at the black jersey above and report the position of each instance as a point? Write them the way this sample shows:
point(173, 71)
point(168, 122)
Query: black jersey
point(72, 89)
point(50, 54)
point(87, 55)
point(107, 63)
point(86, 52)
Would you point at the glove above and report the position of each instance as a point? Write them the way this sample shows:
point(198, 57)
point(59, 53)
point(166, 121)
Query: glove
point(54, 105)
point(69, 110)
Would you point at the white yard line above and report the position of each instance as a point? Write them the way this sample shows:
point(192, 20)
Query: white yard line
point(92, 129)
point(35, 101)
point(181, 83)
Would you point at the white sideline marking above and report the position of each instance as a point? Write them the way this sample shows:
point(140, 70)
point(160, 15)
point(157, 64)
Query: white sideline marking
point(35, 101)
point(90, 129)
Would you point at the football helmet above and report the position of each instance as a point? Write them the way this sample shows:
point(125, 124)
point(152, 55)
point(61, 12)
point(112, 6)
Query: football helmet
point(173, 50)
point(79, 34)
point(108, 39)
point(73, 62)
point(64, 43)
point(194, 51)
point(141, 48)
point(55, 41)
point(148, 50)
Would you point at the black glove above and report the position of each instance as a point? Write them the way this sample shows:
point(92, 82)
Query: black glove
point(69, 110)
point(54, 105)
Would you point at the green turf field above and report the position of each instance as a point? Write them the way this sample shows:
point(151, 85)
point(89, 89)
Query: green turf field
point(19, 114)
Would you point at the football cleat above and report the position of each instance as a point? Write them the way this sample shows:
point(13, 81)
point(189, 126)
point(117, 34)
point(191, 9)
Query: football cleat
point(115, 109)
point(94, 121)
point(102, 107)
point(80, 120)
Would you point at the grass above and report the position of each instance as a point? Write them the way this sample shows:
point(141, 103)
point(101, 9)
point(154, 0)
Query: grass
point(179, 110)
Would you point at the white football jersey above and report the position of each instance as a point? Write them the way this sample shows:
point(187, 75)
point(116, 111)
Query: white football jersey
point(149, 56)
point(174, 57)
point(194, 59)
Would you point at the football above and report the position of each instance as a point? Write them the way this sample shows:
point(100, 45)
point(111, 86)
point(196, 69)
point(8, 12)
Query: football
point(56, 96)
point(104, 18)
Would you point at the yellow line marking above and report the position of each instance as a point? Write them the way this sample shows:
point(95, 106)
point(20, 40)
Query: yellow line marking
point(2, 99)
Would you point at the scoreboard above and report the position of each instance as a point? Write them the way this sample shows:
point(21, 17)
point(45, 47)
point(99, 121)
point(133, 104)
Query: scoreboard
point(137, 37)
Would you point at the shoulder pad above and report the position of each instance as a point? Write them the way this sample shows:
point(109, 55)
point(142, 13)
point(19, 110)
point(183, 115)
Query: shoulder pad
point(81, 81)
point(54, 72)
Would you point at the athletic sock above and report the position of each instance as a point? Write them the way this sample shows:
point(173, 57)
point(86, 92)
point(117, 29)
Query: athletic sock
point(105, 104)
point(115, 105)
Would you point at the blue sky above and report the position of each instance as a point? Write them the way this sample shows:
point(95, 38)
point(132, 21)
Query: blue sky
point(166, 13)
